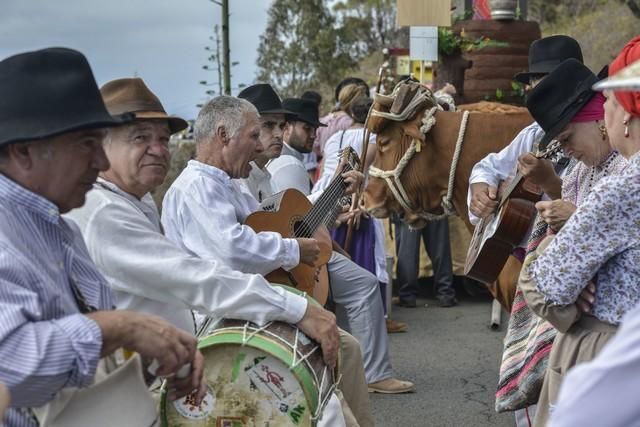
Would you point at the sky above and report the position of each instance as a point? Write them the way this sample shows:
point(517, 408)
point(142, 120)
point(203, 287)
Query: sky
point(161, 41)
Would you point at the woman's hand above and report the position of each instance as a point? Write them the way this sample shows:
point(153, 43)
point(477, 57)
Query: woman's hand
point(555, 212)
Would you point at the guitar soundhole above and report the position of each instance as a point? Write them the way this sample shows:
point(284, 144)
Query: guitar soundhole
point(302, 229)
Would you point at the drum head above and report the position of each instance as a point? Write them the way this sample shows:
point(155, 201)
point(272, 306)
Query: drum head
point(253, 384)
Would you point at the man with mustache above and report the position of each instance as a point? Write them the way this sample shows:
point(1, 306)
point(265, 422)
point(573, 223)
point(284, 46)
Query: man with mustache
point(353, 288)
point(58, 322)
point(272, 124)
point(147, 272)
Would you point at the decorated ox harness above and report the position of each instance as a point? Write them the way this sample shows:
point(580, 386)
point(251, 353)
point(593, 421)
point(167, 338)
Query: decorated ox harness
point(392, 177)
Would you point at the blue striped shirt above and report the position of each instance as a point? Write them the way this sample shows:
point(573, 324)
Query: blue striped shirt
point(45, 342)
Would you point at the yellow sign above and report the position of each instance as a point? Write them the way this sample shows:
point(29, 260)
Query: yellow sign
point(427, 71)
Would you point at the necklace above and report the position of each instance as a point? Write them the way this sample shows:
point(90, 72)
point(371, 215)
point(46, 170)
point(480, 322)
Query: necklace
point(602, 169)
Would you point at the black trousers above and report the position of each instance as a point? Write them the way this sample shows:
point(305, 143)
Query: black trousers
point(436, 241)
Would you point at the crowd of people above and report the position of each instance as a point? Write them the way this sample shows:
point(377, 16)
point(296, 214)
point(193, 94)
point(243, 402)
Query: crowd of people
point(101, 290)
point(578, 278)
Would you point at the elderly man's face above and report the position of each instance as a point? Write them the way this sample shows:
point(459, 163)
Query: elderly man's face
point(243, 147)
point(139, 156)
point(66, 167)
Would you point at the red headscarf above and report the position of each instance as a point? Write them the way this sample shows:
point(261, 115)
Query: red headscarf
point(593, 110)
point(630, 54)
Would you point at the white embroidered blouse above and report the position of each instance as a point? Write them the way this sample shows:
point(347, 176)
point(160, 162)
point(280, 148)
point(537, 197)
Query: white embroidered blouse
point(600, 242)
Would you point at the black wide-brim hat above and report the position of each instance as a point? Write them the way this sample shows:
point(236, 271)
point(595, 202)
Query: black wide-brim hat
point(49, 92)
point(547, 53)
point(264, 98)
point(303, 110)
point(560, 96)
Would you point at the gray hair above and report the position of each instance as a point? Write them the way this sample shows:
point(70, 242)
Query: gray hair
point(226, 111)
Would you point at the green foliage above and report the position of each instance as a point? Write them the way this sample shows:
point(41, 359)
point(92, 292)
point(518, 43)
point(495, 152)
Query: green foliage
point(306, 45)
point(516, 94)
point(301, 47)
point(450, 42)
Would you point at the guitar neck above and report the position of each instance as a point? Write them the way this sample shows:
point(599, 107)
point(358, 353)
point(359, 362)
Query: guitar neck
point(553, 148)
point(510, 189)
point(324, 209)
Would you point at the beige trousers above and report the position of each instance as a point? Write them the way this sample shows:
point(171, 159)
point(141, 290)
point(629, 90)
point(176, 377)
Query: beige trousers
point(352, 390)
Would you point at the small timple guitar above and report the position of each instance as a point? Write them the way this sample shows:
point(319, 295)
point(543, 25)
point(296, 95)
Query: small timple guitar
point(496, 236)
point(292, 215)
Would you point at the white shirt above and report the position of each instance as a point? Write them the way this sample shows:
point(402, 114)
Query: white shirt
point(604, 391)
point(149, 273)
point(258, 183)
point(340, 140)
point(288, 171)
point(497, 167)
point(204, 210)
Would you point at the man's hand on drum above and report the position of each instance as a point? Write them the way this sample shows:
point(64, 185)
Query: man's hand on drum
point(192, 383)
point(541, 173)
point(320, 325)
point(555, 212)
point(484, 199)
point(309, 251)
point(166, 347)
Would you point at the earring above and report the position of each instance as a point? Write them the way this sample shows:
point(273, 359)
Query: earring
point(603, 131)
point(625, 122)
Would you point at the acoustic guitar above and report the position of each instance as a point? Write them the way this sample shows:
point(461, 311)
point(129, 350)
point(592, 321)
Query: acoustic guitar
point(292, 215)
point(496, 236)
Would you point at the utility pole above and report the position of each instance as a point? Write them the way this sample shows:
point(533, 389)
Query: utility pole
point(226, 62)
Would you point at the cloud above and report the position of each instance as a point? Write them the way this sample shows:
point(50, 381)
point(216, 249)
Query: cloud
point(163, 44)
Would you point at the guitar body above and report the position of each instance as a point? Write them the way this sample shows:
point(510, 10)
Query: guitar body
point(495, 238)
point(283, 213)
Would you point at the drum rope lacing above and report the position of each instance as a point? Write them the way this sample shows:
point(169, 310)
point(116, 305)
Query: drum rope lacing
point(246, 337)
point(392, 177)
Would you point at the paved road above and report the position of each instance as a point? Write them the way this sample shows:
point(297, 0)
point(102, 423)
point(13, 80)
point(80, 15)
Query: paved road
point(453, 357)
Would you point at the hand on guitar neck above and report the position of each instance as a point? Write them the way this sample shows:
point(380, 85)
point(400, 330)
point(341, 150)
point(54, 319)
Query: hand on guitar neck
point(352, 178)
point(541, 173)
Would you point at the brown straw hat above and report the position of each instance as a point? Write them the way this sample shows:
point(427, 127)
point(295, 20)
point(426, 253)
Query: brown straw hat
point(133, 96)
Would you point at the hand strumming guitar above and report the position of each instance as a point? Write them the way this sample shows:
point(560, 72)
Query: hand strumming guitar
point(484, 199)
point(309, 251)
point(541, 173)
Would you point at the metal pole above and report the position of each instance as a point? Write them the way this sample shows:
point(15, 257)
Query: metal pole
point(524, 9)
point(226, 63)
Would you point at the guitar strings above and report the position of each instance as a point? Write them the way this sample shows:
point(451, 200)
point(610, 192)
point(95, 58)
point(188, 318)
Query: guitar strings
point(313, 219)
point(315, 216)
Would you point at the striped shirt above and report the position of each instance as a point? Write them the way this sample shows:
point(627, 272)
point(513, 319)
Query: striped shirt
point(45, 342)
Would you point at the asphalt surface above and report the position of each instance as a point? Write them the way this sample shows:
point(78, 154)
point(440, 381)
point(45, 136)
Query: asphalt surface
point(453, 357)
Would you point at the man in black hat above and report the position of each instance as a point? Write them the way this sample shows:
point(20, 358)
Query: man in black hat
point(544, 55)
point(272, 124)
point(56, 307)
point(353, 287)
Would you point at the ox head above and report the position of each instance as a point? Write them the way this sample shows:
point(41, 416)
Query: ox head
point(400, 144)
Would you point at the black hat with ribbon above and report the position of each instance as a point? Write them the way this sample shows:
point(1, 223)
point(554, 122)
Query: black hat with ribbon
point(304, 110)
point(49, 92)
point(546, 54)
point(264, 98)
point(560, 96)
